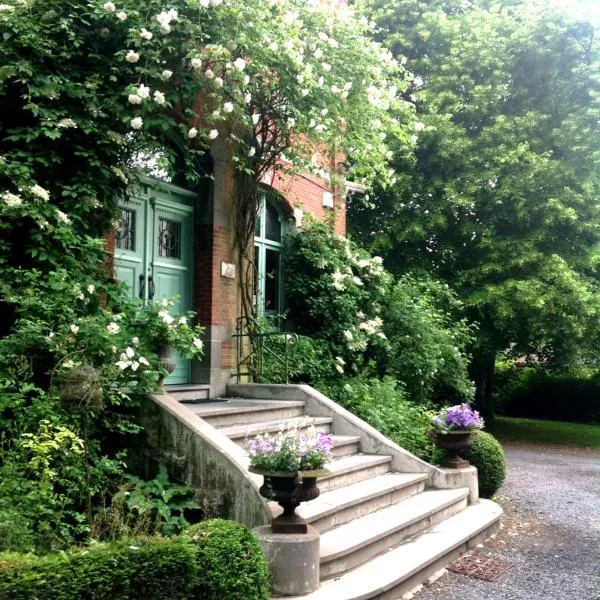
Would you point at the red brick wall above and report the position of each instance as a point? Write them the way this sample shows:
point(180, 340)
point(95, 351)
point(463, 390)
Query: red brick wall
point(306, 192)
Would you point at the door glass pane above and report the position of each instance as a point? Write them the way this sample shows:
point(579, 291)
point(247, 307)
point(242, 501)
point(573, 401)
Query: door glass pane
point(272, 279)
point(169, 238)
point(126, 231)
point(273, 225)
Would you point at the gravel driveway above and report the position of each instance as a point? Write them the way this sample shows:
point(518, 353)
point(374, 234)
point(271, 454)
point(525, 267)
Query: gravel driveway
point(551, 531)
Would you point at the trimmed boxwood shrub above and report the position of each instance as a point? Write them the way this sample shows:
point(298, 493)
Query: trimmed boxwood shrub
point(230, 560)
point(487, 455)
point(215, 560)
point(157, 568)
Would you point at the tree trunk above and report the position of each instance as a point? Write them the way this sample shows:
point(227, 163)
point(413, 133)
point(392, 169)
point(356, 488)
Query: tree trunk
point(482, 372)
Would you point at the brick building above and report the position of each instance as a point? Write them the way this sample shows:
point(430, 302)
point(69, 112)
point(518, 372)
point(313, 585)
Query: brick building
point(174, 242)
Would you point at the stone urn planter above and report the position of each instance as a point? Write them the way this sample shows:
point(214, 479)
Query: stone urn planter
point(165, 360)
point(289, 490)
point(454, 442)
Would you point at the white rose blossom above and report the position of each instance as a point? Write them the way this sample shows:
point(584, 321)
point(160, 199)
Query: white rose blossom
point(39, 192)
point(132, 56)
point(11, 199)
point(137, 122)
point(143, 91)
point(239, 64)
point(113, 328)
point(166, 74)
point(74, 328)
point(159, 97)
point(134, 99)
point(145, 34)
point(196, 63)
point(109, 7)
point(62, 217)
point(192, 133)
point(228, 107)
point(213, 134)
point(121, 15)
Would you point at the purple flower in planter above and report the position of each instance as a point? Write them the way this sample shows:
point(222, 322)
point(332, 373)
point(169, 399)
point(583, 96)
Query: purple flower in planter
point(457, 418)
point(290, 450)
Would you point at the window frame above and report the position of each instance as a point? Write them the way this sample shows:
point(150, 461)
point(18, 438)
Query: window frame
point(261, 245)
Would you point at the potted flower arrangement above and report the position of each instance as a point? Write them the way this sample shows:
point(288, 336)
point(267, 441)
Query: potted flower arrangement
point(290, 463)
point(454, 429)
point(167, 331)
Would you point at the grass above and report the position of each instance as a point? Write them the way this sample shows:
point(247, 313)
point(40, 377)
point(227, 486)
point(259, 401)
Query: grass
point(546, 432)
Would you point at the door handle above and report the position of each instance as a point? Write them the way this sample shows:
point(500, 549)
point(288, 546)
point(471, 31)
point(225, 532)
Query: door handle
point(151, 288)
point(142, 279)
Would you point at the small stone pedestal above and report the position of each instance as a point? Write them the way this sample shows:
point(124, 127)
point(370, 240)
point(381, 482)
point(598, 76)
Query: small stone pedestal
point(455, 478)
point(294, 560)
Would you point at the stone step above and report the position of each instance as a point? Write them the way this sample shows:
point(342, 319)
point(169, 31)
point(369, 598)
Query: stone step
point(345, 445)
point(352, 469)
point(390, 575)
point(337, 507)
point(240, 433)
point(190, 393)
point(358, 541)
point(237, 411)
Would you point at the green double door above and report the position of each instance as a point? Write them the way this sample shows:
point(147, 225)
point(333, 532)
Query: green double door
point(153, 251)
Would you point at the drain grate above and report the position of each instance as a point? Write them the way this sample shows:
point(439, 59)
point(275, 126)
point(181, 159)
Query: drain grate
point(482, 567)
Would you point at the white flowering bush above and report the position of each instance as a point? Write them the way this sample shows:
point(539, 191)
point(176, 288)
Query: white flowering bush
point(365, 324)
point(337, 293)
point(160, 325)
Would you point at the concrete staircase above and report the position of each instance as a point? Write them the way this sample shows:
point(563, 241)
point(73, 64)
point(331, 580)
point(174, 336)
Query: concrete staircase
point(383, 532)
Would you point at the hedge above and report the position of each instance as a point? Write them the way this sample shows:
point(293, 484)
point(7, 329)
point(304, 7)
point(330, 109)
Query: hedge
point(536, 394)
point(169, 569)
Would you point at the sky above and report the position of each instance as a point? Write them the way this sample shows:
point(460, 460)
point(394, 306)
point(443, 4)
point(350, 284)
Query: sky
point(585, 9)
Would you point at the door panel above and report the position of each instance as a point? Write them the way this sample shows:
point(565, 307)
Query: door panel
point(171, 264)
point(131, 244)
point(155, 241)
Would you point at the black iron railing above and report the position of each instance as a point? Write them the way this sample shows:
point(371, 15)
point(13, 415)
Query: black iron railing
point(256, 347)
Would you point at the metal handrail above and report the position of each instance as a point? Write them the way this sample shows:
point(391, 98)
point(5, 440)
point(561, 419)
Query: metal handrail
point(253, 359)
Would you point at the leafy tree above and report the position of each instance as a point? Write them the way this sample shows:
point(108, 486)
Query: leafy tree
point(500, 198)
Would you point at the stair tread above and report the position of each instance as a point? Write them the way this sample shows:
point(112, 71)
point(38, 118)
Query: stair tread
point(187, 387)
point(240, 406)
point(354, 462)
point(355, 493)
point(342, 440)
point(376, 525)
point(387, 570)
point(240, 431)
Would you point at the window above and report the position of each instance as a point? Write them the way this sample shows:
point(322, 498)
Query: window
point(268, 244)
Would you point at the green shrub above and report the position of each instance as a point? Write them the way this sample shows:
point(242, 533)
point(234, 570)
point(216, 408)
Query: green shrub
point(487, 455)
point(157, 568)
point(231, 563)
point(384, 406)
point(214, 560)
point(428, 338)
point(362, 322)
